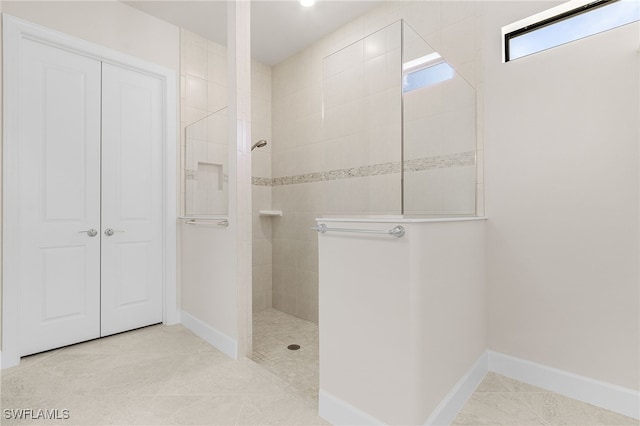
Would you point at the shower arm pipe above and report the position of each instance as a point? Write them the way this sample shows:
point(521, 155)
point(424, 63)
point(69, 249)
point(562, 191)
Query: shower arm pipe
point(397, 231)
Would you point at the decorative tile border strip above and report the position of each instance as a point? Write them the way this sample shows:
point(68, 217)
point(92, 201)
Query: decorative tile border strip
point(260, 181)
point(441, 162)
point(417, 165)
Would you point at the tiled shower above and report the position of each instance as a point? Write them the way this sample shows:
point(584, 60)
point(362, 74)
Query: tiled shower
point(338, 133)
point(331, 115)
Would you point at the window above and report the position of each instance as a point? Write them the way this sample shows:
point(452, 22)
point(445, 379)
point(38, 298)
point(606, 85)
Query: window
point(568, 22)
point(425, 71)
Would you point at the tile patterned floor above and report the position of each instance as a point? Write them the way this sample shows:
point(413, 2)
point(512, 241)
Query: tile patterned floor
point(153, 376)
point(273, 331)
point(499, 400)
point(167, 376)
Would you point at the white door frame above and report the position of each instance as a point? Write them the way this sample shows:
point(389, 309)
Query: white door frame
point(14, 30)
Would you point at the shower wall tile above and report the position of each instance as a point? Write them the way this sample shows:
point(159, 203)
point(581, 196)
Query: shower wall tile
point(455, 11)
point(217, 67)
point(196, 57)
point(196, 91)
point(384, 193)
point(468, 71)
point(424, 198)
point(480, 166)
point(194, 114)
point(459, 127)
point(458, 95)
point(217, 96)
point(417, 107)
point(325, 170)
point(204, 89)
point(262, 228)
point(459, 41)
point(459, 187)
point(283, 161)
point(397, 10)
point(262, 195)
point(348, 57)
point(480, 209)
point(309, 129)
point(383, 142)
point(429, 130)
point(426, 19)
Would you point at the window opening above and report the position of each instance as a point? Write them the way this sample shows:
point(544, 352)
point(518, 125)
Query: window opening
point(566, 23)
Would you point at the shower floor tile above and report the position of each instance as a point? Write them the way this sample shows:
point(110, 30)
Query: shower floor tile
point(273, 331)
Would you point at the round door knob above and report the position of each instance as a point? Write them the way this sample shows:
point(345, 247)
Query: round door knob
point(109, 232)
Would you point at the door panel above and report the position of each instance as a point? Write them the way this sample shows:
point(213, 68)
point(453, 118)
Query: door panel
point(64, 290)
point(132, 200)
point(59, 186)
point(135, 260)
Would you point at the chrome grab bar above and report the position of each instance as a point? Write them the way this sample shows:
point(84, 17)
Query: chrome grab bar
point(397, 231)
point(223, 222)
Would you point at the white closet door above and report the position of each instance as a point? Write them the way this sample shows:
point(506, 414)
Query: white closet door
point(131, 200)
point(59, 198)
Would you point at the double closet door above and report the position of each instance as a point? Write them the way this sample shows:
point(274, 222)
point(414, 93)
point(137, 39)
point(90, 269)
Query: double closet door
point(90, 198)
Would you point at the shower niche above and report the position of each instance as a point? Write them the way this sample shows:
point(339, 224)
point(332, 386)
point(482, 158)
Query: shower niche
point(206, 166)
point(401, 123)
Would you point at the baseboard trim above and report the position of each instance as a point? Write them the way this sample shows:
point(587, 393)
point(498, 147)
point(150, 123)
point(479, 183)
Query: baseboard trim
point(10, 360)
point(339, 412)
point(446, 412)
point(601, 394)
point(215, 338)
point(605, 395)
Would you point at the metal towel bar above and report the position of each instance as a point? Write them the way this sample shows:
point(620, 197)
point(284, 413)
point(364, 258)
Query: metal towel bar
point(397, 231)
point(223, 222)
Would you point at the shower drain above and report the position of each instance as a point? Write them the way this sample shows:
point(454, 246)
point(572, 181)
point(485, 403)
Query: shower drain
point(293, 347)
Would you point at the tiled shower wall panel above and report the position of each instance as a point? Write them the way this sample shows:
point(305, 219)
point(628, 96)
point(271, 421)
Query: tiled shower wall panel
point(300, 146)
point(203, 86)
point(203, 79)
point(295, 249)
point(261, 195)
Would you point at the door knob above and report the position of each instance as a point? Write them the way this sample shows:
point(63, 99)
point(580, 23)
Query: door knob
point(109, 232)
point(90, 232)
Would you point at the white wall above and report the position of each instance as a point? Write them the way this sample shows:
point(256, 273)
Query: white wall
point(421, 329)
point(208, 280)
point(108, 23)
point(562, 194)
point(111, 24)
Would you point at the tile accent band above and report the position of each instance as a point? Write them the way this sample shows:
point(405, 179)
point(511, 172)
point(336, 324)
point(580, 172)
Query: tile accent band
point(417, 165)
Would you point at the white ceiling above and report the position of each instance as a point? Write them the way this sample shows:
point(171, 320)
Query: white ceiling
point(279, 29)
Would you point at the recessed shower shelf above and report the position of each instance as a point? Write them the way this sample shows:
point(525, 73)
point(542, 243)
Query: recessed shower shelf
point(270, 212)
